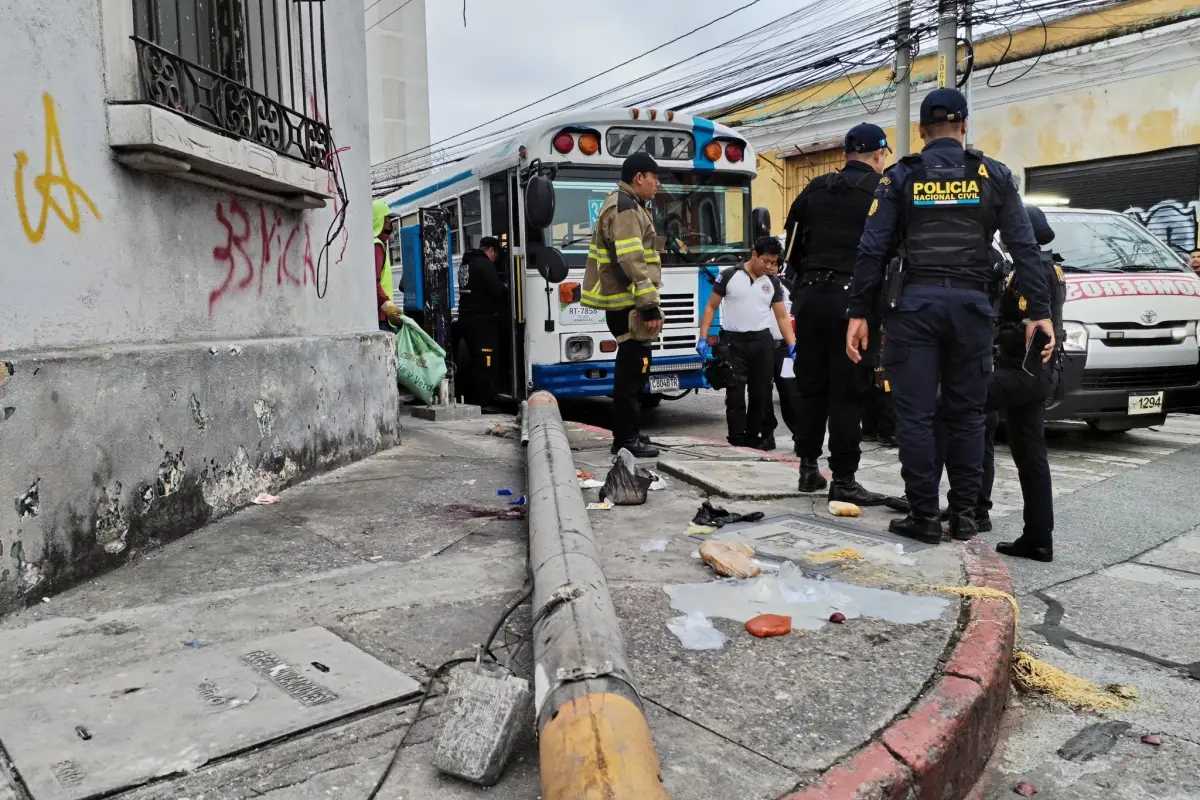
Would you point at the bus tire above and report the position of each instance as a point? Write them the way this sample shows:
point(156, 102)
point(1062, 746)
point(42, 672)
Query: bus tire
point(651, 400)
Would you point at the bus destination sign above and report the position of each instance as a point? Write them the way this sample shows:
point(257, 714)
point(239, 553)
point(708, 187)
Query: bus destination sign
point(666, 145)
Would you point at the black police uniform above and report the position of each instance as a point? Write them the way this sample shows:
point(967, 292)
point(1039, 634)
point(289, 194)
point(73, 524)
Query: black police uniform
point(483, 305)
point(824, 226)
point(1022, 398)
point(946, 204)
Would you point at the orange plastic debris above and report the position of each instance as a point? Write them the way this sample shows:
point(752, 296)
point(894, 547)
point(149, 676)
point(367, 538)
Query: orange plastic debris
point(765, 625)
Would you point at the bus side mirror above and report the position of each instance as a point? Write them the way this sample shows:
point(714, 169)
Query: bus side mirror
point(761, 222)
point(539, 202)
point(550, 263)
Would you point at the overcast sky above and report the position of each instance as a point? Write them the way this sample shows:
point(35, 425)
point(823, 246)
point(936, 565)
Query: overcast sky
point(515, 51)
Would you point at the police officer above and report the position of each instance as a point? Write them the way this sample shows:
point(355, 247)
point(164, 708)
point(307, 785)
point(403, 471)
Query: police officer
point(945, 205)
point(824, 226)
point(1023, 396)
point(623, 276)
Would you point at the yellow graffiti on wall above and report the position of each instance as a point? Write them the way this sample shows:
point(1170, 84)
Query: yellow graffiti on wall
point(46, 182)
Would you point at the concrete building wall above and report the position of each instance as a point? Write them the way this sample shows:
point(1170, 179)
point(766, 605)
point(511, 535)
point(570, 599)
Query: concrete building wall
point(397, 78)
point(165, 352)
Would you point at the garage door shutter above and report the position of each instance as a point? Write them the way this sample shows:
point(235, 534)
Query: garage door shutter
point(1159, 189)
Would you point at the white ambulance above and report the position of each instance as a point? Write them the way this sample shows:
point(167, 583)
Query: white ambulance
point(1131, 314)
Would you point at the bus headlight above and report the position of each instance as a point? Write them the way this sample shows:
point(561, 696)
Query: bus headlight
point(579, 348)
point(1076, 338)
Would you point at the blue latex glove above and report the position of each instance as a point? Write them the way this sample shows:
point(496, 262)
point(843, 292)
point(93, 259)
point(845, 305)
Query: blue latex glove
point(702, 347)
point(792, 352)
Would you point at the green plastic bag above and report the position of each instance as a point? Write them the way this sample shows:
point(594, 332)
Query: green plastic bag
point(420, 363)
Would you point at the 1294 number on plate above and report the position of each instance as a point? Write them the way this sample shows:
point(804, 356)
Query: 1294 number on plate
point(1145, 403)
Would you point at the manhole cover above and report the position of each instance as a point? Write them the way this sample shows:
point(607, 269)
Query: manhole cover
point(180, 712)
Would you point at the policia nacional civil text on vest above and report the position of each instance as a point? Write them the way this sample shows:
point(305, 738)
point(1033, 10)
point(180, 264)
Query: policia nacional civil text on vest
point(941, 209)
point(823, 226)
point(623, 276)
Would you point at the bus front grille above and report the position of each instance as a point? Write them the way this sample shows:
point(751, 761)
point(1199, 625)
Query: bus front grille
point(678, 309)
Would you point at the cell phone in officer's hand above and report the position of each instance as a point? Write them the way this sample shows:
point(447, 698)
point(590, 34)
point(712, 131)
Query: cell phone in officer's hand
point(1033, 352)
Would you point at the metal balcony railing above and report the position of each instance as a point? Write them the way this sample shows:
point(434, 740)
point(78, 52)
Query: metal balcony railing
point(254, 69)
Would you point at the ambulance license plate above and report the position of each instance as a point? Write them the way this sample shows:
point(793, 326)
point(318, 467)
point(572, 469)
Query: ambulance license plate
point(1145, 403)
point(664, 383)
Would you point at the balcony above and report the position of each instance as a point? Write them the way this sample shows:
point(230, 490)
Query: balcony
point(231, 94)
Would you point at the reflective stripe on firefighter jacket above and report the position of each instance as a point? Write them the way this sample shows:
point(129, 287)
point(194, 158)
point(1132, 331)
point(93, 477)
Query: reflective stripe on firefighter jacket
point(623, 268)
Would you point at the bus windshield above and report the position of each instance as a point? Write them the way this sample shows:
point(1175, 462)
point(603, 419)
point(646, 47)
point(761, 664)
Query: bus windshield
point(708, 212)
point(1107, 243)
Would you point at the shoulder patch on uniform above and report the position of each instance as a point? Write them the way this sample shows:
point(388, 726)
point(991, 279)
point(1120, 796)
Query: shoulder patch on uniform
point(983, 173)
point(625, 202)
point(885, 181)
point(1058, 271)
point(874, 207)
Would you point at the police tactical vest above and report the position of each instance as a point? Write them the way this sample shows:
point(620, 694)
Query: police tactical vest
point(838, 205)
point(949, 215)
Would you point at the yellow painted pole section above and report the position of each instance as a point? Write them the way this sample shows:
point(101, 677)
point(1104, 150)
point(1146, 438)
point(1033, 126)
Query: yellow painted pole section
point(598, 747)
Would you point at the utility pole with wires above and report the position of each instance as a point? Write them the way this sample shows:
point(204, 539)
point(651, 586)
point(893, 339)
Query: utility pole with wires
point(903, 79)
point(970, 67)
point(947, 42)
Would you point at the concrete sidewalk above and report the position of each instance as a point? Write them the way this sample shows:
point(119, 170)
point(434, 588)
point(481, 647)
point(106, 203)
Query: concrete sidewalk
point(408, 560)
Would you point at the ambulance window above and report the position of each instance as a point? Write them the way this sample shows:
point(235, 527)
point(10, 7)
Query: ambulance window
point(472, 219)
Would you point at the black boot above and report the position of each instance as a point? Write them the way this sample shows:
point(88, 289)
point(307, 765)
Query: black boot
point(1022, 549)
point(637, 447)
point(811, 479)
point(767, 443)
point(983, 521)
point(963, 527)
point(848, 490)
point(923, 529)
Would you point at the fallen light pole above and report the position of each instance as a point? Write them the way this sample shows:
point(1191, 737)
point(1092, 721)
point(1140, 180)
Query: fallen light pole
point(594, 740)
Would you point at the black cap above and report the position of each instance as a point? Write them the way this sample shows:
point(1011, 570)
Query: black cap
point(866, 138)
point(943, 105)
point(636, 164)
point(1042, 231)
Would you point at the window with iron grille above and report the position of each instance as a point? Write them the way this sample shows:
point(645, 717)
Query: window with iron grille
point(254, 69)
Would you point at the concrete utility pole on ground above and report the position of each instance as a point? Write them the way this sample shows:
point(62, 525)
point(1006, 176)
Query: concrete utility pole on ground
point(947, 42)
point(903, 80)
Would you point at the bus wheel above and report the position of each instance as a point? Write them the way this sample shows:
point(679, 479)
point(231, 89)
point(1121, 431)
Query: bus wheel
point(651, 400)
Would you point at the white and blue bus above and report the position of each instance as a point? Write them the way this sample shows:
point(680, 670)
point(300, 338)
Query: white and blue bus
point(702, 211)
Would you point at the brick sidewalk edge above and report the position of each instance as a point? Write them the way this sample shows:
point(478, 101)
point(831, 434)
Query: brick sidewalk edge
point(939, 748)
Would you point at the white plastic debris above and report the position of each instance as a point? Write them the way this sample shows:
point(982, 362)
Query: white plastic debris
point(660, 482)
point(265, 499)
point(695, 632)
point(655, 546)
point(590, 483)
point(469, 483)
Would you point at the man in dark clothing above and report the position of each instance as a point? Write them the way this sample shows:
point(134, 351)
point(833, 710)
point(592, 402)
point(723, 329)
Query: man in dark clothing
point(823, 226)
point(484, 303)
point(943, 206)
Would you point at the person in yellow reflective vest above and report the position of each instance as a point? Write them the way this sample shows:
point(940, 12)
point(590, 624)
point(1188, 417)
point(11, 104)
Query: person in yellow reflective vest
point(623, 276)
point(389, 312)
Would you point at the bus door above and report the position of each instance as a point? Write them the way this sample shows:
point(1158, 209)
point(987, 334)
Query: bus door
point(504, 213)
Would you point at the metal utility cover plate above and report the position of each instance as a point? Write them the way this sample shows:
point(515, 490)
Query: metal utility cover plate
point(177, 713)
point(818, 533)
point(736, 479)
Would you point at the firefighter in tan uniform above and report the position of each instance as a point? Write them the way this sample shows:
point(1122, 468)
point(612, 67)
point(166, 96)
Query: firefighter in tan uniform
point(624, 274)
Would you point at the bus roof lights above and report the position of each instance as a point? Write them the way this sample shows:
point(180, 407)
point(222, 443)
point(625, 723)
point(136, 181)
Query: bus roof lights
point(653, 113)
point(564, 143)
point(589, 144)
point(734, 152)
point(670, 116)
point(634, 112)
point(712, 151)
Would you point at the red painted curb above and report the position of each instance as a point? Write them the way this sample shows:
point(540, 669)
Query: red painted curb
point(938, 749)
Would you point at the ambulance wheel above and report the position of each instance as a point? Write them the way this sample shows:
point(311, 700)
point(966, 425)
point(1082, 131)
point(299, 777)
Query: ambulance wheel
point(651, 400)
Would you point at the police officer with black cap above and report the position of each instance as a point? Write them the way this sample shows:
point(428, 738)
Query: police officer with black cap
point(942, 208)
point(823, 227)
point(1022, 396)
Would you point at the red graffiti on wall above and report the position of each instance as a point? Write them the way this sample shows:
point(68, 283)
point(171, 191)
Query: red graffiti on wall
point(278, 243)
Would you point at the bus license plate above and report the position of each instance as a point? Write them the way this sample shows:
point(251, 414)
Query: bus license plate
point(1145, 403)
point(664, 383)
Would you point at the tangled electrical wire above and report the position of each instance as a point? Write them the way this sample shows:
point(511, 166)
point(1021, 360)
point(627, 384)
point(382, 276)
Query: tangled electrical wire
point(755, 71)
point(558, 598)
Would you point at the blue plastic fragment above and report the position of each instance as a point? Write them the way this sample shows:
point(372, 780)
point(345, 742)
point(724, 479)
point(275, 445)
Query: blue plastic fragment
point(504, 492)
point(192, 644)
point(520, 501)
